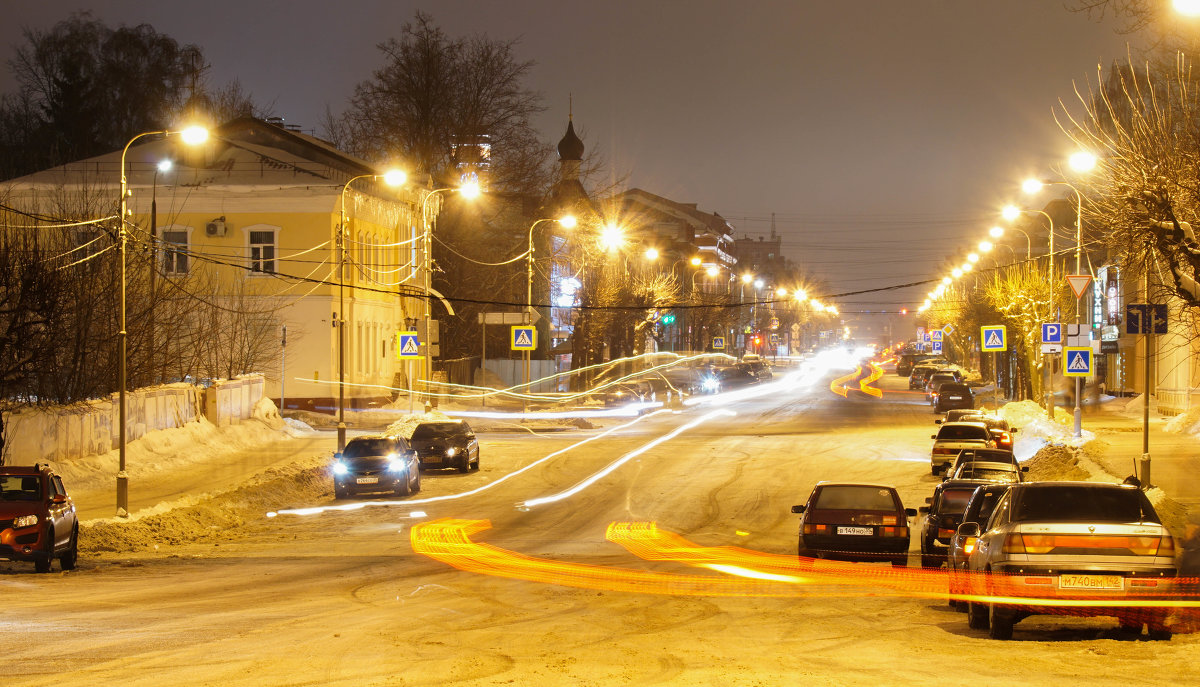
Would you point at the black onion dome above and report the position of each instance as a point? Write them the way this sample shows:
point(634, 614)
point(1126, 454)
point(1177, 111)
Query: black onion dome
point(570, 147)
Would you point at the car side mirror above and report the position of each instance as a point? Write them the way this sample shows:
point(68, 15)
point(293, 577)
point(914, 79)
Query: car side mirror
point(797, 509)
point(923, 509)
point(933, 436)
point(910, 512)
point(969, 529)
point(928, 499)
point(938, 421)
point(58, 498)
point(1024, 468)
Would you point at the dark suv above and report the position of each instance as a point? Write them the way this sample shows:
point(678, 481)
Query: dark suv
point(37, 518)
point(449, 444)
point(373, 464)
point(943, 515)
point(953, 396)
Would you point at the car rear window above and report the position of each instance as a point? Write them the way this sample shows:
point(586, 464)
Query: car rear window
point(360, 448)
point(855, 498)
point(955, 500)
point(20, 488)
point(962, 432)
point(956, 388)
point(438, 430)
point(994, 474)
point(1070, 503)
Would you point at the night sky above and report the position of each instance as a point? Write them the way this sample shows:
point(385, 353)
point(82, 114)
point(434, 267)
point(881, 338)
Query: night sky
point(884, 135)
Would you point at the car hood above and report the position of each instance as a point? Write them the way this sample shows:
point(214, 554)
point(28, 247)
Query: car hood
point(11, 509)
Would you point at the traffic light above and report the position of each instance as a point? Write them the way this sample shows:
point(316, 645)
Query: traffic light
point(668, 319)
point(903, 311)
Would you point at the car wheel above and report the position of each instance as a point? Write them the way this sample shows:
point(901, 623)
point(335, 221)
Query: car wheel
point(475, 465)
point(901, 562)
point(403, 487)
point(935, 470)
point(42, 562)
point(1157, 629)
point(465, 465)
point(68, 559)
point(931, 560)
point(977, 616)
point(1000, 623)
point(417, 482)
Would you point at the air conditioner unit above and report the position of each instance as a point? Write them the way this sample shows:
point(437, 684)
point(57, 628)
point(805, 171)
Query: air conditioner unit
point(215, 227)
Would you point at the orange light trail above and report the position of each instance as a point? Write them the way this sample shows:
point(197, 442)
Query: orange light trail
point(745, 573)
point(838, 386)
point(864, 384)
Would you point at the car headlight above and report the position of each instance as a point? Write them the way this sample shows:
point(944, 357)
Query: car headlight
point(25, 521)
point(339, 468)
point(451, 452)
point(397, 466)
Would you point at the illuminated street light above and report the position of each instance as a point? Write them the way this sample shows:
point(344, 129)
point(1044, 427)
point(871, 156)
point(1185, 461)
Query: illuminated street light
point(192, 135)
point(611, 237)
point(985, 246)
point(966, 267)
point(957, 272)
point(1188, 8)
point(568, 222)
point(745, 277)
point(946, 281)
point(996, 232)
point(1031, 186)
point(972, 257)
point(1082, 161)
point(712, 270)
point(651, 253)
point(758, 283)
point(800, 295)
point(781, 292)
point(1010, 212)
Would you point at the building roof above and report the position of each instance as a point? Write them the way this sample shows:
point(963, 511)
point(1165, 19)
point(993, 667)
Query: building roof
point(570, 147)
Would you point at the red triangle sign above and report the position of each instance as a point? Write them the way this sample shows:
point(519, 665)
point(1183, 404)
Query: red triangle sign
point(1078, 283)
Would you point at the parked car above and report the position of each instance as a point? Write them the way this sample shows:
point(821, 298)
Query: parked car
point(757, 366)
point(1072, 540)
point(936, 380)
point(988, 472)
point(1001, 430)
point(959, 415)
point(736, 376)
point(951, 395)
point(942, 517)
point(979, 509)
point(37, 518)
point(906, 361)
point(854, 522)
point(983, 455)
point(448, 444)
point(375, 464)
point(920, 376)
point(952, 438)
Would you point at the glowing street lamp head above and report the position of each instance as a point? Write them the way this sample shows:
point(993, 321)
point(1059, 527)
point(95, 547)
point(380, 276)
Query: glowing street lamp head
point(973, 257)
point(611, 237)
point(957, 272)
point(781, 291)
point(712, 270)
point(800, 295)
point(996, 232)
point(651, 253)
point(758, 283)
point(1031, 186)
point(946, 281)
point(1188, 8)
point(1010, 212)
point(985, 246)
point(569, 222)
point(165, 164)
point(395, 177)
point(1082, 161)
point(746, 277)
point(966, 267)
point(194, 135)
point(470, 190)
point(695, 261)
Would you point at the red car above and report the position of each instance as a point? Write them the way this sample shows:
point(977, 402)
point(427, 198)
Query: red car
point(37, 518)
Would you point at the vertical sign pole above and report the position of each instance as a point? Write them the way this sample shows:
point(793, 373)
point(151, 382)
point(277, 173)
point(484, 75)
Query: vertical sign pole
point(1144, 466)
point(482, 358)
point(282, 370)
point(996, 386)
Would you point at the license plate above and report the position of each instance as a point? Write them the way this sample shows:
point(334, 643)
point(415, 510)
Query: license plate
point(1099, 582)
point(368, 480)
point(433, 459)
point(859, 531)
point(954, 398)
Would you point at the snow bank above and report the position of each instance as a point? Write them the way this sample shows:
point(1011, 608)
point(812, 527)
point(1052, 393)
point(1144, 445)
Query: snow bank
point(1186, 423)
point(405, 425)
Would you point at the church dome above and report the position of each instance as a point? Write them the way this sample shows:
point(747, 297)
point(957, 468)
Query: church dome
point(570, 147)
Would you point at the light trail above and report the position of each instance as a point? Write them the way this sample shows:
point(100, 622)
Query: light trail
point(864, 385)
point(838, 386)
point(596, 477)
point(359, 505)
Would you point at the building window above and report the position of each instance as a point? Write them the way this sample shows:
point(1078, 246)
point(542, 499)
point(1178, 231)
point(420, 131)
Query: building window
point(174, 255)
point(262, 252)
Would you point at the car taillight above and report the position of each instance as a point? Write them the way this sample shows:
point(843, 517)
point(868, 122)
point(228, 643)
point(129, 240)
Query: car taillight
point(1038, 543)
point(945, 533)
point(893, 532)
point(1013, 544)
point(1166, 546)
point(816, 529)
point(889, 520)
point(969, 545)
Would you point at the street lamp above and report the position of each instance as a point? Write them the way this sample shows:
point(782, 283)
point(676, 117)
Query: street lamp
point(998, 231)
point(391, 178)
point(567, 222)
point(469, 190)
point(193, 135)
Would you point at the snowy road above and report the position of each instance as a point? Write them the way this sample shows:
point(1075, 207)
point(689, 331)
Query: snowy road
point(340, 598)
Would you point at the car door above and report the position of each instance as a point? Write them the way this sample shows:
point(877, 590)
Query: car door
point(61, 511)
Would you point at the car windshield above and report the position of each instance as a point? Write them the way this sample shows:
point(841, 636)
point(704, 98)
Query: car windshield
point(993, 474)
point(439, 430)
point(855, 498)
point(955, 388)
point(955, 500)
point(361, 448)
point(952, 432)
point(1071, 503)
point(19, 488)
point(940, 378)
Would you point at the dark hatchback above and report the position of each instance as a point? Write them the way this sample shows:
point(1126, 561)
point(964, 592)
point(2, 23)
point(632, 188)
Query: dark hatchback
point(449, 444)
point(376, 464)
point(854, 522)
point(943, 515)
point(953, 396)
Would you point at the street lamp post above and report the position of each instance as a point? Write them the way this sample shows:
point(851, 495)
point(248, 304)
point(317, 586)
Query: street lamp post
point(192, 136)
point(567, 222)
point(392, 178)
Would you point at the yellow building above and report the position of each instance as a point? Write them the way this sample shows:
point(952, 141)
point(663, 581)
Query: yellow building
point(247, 226)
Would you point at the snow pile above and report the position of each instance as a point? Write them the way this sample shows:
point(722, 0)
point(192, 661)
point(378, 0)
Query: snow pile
point(1185, 423)
point(219, 518)
point(266, 412)
point(405, 425)
point(1135, 407)
point(295, 428)
point(163, 450)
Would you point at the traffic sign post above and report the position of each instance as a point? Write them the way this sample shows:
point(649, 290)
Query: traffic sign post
point(1052, 339)
point(1146, 319)
point(935, 336)
point(1077, 361)
point(718, 343)
point(937, 347)
point(994, 338)
point(408, 349)
point(524, 338)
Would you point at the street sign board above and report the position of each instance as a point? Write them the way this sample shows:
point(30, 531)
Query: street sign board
point(774, 339)
point(1051, 333)
point(1077, 362)
point(408, 346)
point(1140, 316)
point(502, 317)
point(524, 338)
point(948, 329)
point(920, 333)
point(937, 347)
point(1110, 346)
point(1051, 348)
point(935, 335)
point(718, 343)
point(1079, 283)
point(993, 338)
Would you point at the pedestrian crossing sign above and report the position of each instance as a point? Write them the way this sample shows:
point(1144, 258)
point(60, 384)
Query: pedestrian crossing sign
point(718, 343)
point(993, 338)
point(1078, 362)
point(524, 338)
point(935, 335)
point(407, 345)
